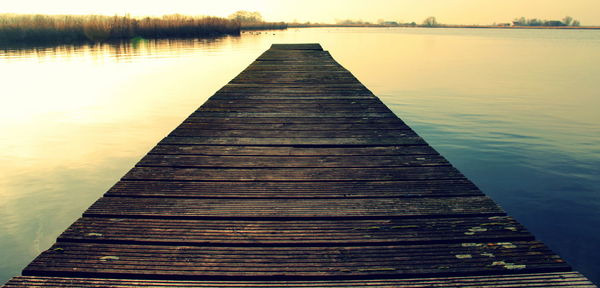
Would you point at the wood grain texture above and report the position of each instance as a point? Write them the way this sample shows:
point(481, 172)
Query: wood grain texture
point(199, 262)
point(293, 151)
point(295, 175)
point(294, 232)
point(550, 280)
point(275, 190)
point(293, 208)
point(204, 161)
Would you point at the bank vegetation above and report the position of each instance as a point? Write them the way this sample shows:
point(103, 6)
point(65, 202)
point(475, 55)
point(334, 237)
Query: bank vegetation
point(43, 29)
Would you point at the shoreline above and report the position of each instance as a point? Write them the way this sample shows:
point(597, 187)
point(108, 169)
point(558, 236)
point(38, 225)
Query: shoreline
point(446, 26)
point(57, 42)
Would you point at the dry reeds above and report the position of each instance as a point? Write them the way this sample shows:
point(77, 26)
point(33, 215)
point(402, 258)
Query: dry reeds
point(70, 28)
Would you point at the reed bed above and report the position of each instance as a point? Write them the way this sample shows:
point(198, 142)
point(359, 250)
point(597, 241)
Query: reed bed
point(22, 29)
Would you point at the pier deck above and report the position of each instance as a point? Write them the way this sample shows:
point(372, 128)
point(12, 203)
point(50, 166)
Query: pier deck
point(294, 174)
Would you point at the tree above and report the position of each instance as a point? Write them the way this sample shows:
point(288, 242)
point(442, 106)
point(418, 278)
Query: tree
point(246, 17)
point(576, 23)
point(520, 21)
point(535, 22)
point(568, 20)
point(430, 22)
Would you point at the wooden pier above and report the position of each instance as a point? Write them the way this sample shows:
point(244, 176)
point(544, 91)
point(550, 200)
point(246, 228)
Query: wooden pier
point(294, 174)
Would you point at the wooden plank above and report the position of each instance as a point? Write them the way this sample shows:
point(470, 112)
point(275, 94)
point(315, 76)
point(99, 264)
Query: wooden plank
point(350, 189)
point(305, 141)
point(294, 174)
point(295, 55)
point(265, 67)
point(351, 95)
point(329, 73)
point(282, 109)
point(301, 59)
point(551, 280)
point(307, 62)
point(303, 208)
point(203, 161)
point(294, 233)
point(329, 134)
point(200, 262)
point(300, 103)
point(283, 126)
point(329, 90)
point(298, 46)
point(305, 81)
point(296, 120)
point(295, 78)
point(293, 151)
point(386, 114)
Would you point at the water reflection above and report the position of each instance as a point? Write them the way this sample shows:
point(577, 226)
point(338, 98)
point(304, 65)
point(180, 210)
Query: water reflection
point(74, 119)
point(516, 111)
point(121, 50)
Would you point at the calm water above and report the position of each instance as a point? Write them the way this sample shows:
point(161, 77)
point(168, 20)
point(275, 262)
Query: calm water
point(518, 111)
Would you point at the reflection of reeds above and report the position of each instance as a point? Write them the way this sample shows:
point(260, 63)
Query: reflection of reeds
point(68, 28)
point(264, 25)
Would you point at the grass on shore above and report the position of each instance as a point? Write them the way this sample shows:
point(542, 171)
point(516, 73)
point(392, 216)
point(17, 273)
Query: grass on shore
point(72, 28)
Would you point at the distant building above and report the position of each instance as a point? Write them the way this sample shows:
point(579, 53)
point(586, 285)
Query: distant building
point(503, 24)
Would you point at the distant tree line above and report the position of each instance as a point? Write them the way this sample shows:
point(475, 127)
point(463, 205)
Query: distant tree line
point(380, 23)
point(567, 21)
point(430, 22)
point(254, 21)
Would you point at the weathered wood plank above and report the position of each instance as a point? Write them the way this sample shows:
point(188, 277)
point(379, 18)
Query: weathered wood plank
point(266, 109)
point(305, 141)
point(295, 54)
point(330, 74)
point(293, 208)
point(292, 151)
point(294, 174)
point(329, 134)
point(198, 262)
point(286, 96)
point(298, 46)
point(203, 161)
point(282, 126)
point(305, 81)
point(265, 67)
point(294, 233)
point(300, 103)
point(295, 78)
point(386, 114)
point(315, 90)
point(366, 189)
point(296, 120)
point(550, 280)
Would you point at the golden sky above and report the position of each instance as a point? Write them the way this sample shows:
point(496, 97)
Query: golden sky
point(446, 11)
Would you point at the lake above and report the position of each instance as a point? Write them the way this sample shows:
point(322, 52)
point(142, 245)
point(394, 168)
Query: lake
point(517, 111)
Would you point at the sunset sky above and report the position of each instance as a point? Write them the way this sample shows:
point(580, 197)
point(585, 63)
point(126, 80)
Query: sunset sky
point(446, 11)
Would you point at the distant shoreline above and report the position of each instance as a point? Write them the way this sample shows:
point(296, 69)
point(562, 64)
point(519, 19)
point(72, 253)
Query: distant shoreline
point(16, 29)
point(23, 30)
point(293, 25)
